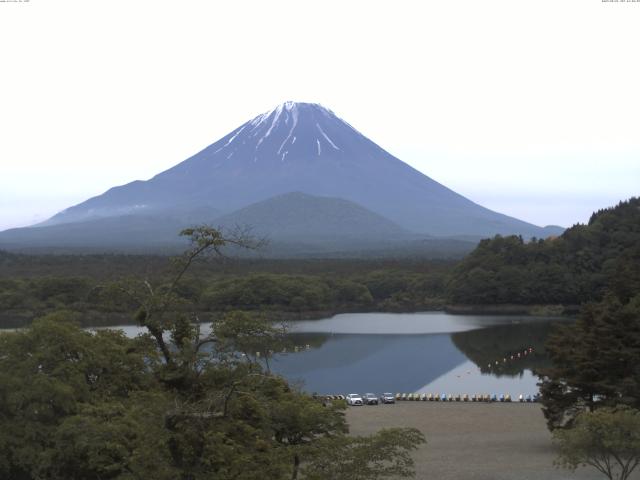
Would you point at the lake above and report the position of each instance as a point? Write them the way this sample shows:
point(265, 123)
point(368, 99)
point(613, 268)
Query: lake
point(431, 352)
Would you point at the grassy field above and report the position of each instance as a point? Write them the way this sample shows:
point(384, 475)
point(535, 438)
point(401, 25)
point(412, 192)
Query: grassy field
point(473, 441)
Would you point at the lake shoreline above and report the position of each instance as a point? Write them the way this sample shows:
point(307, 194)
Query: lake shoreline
point(96, 319)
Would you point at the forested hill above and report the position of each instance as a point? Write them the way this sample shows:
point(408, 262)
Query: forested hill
point(578, 266)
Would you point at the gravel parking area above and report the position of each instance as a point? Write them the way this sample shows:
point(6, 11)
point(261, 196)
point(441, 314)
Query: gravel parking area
point(473, 441)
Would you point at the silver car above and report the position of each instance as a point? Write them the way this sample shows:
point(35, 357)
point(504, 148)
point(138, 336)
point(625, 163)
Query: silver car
point(371, 399)
point(388, 398)
point(354, 399)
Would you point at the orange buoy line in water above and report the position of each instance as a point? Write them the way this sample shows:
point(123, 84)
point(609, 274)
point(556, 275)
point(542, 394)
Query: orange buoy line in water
point(512, 357)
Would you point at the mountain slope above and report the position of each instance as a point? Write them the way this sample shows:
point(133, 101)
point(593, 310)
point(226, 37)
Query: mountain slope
point(134, 233)
point(306, 148)
point(297, 215)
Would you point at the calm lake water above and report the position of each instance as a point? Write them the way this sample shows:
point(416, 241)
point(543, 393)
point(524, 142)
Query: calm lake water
point(430, 352)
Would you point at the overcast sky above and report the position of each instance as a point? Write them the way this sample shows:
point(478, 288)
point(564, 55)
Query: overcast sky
point(531, 108)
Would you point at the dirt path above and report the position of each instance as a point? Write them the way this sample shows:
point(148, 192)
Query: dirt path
point(472, 441)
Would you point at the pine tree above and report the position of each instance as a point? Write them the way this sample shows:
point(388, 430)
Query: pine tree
point(596, 361)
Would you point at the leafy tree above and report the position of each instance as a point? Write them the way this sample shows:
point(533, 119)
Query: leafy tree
point(596, 362)
point(383, 455)
point(607, 440)
point(54, 372)
point(113, 440)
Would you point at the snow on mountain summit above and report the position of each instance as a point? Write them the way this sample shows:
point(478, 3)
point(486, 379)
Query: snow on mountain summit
point(304, 124)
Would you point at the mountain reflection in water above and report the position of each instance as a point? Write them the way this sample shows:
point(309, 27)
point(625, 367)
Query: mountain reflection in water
point(432, 353)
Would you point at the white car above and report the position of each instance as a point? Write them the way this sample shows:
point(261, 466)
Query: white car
point(354, 399)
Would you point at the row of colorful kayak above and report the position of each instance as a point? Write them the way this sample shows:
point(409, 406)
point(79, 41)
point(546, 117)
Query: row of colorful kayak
point(430, 397)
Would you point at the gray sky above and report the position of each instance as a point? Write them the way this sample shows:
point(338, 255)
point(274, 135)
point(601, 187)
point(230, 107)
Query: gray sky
point(530, 108)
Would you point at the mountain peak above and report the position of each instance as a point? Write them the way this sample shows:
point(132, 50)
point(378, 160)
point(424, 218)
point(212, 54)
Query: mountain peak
point(291, 111)
point(291, 106)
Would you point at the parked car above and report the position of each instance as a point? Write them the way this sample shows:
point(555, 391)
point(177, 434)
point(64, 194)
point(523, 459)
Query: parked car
point(388, 398)
point(354, 399)
point(371, 399)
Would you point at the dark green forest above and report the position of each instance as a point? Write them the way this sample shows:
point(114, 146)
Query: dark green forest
point(31, 286)
point(581, 265)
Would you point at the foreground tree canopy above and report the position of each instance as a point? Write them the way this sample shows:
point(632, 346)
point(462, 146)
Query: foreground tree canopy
point(172, 403)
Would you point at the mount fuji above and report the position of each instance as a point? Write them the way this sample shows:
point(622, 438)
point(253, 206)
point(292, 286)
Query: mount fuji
point(300, 148)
